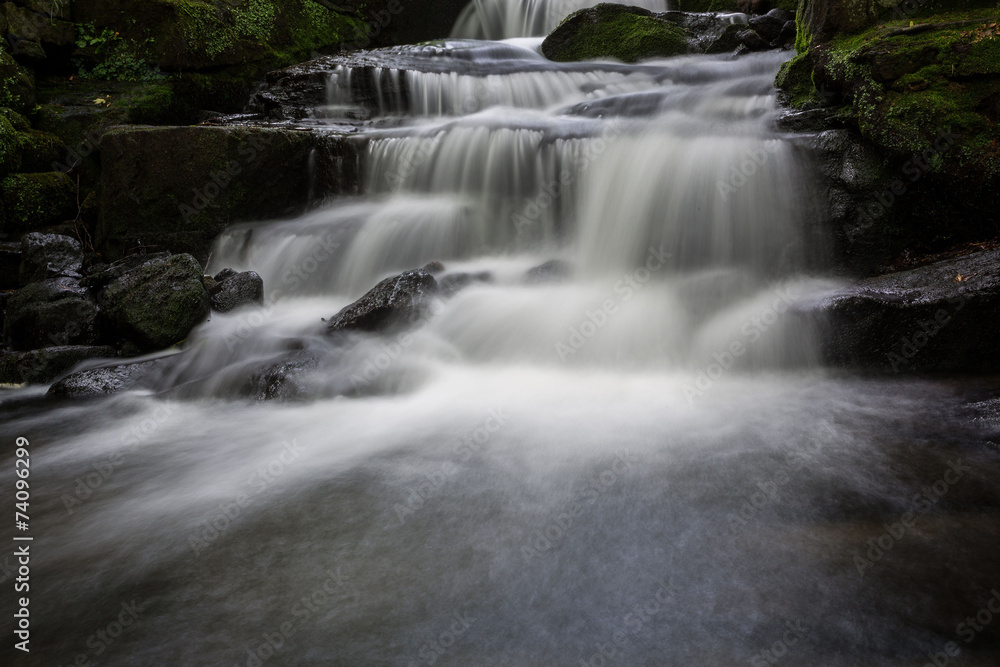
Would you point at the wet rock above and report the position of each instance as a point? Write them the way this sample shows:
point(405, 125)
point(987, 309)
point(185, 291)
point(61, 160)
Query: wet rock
point(17, 85)
point(434, 267)
point(767, 26)
point(106, 380)
point(752, 41)
point(554, 270)
point(49, 255)
point(788, 33)
point(158, 303)
point(224, 274)
point(101, 276)
point(941, 317)
point(51, 312)
point(46, 364)
point(285, 380)
point(614, 31)
point(392, 303)
point(236, 291)
point(728, 41)
point(453, 283)
point(782, 15)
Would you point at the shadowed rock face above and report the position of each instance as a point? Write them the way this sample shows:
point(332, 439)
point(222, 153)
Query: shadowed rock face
point(941, 317)
point(392, 303)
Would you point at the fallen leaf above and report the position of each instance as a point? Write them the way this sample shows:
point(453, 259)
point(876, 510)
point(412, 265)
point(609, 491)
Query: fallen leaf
point(100, 101)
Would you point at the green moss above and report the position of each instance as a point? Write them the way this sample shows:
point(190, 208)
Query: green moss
point(39, 150)
point(10, 152)
point(796, 79)
point(37, 200)
point(17, 85)
point(706, 6)
point(613, 31)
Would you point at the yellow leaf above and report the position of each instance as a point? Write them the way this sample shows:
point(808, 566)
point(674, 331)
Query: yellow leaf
point(100, 101)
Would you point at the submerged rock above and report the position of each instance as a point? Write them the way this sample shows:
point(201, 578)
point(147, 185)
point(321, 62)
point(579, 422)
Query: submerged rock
point(554, 270)
point(392, 303)
point(942, 317)
point(236, 291)
point(614, 31)
point(158, 303)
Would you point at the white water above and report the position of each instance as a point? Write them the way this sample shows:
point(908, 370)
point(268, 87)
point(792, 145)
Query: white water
point(501, 19)
point(536, 457)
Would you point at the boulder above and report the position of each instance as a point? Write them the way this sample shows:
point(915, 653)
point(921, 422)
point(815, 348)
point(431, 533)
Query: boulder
point(37, 200)
point(554, 270)
point(177, 188)
point(940, 317)
point(751, 40)
point(46, 364)
point(48, 256)
point(614, 31)
point(51, 312)
point(17, 85)
point(728, 41)
point(391, 304)
point(157, 303)
point(10, 148)
point(236, 291)
point(767, 26)
point(453, 283)
point(10, 265)
point(106, 380)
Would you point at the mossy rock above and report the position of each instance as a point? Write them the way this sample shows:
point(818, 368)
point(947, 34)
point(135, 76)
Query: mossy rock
point(40, 150)
point(17, 84)
point(159, 302)
point(728, 41)
point(10, 148)
point(32, 201)
point(706, 6)
point(184, 35)
point(610, 31)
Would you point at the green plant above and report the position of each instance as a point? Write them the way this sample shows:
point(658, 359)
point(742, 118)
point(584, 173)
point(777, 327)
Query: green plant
point(118, 59)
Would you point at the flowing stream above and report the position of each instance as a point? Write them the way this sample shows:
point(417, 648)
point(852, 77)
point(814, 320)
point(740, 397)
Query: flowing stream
point(631, 456)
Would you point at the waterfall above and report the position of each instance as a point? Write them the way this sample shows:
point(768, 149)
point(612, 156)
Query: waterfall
point(502, 19)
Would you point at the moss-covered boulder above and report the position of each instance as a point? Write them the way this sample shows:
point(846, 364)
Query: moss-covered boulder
point(177, 187)
point(177, 35)
point(31, 201)
point(10, 148)
point(157, 303)
point(17, 84)
point(614, 31)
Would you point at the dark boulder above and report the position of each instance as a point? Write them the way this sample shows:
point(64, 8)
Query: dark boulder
point(105, 274)
point(37, 200)
point(158, 303)
point(751, 40)
point(236, 291)
point(49, 255)
point(767, 26)
point(392, 303)
point(10, 265)
point(46, 364)
point(614, 31)
point(941, 317)
point(782, 15)
point(51, 312)
point(107, 380)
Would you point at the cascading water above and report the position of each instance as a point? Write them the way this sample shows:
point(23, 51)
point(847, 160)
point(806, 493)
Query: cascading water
point(631, 457)
point(501, 19)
